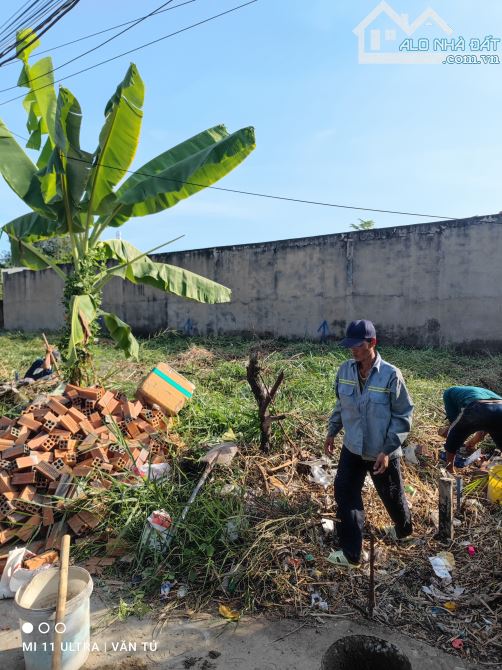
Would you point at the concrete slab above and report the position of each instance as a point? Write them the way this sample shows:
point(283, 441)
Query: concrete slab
point(208, 643)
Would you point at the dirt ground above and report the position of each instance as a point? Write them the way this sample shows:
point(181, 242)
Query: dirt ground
point(208, 643)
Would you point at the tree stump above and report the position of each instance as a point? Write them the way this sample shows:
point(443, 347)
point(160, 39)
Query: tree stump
point(264, 397)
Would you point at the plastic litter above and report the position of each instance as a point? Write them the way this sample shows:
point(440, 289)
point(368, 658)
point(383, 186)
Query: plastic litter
point(442, 563)
point(153, 471)
point(156, 530)
point(14, 575)
point(410, 455)
point(322, 471)
point(319, 476)
point(317, 601)
point(448, 593)
point(182, 591)
point(461, 462)
point(457, 643)
point(328, 526)
point(473, 457)
point(471, 550)
point(165, 590)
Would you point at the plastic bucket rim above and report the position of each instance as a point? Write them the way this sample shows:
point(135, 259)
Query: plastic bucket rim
point(70, 604)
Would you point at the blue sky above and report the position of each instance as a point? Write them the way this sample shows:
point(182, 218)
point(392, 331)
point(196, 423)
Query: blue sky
point(418, 138)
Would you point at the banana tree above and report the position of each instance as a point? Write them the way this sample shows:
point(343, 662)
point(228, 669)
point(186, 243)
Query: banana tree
point(80, 195)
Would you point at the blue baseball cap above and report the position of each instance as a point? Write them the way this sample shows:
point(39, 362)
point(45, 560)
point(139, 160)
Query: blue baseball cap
point(357, 332)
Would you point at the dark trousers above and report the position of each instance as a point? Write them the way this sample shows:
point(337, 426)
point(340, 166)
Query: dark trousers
point(37, 365)
point(485, 416)
point(350, 476)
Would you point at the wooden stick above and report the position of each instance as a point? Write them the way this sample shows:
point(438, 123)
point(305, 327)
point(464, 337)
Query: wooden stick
point(53, 358)
point(371, 592)
point(459, 488)
point(446, 508)
point(61, 602)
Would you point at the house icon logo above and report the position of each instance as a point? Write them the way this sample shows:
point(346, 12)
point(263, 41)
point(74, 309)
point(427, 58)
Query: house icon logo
point(382, 32)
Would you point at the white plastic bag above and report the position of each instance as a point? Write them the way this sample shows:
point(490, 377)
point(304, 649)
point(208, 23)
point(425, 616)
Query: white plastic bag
point(152, 471)
point(14, 576)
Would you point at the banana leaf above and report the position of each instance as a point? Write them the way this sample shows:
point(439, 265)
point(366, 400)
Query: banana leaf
point(82, 314)
point(180, 172)
point(26, 42)
point(121, 333)
point(118, 139)
point(77, 162)
point(15, 166)
point(140, 269)
point(32, 227)
point(41, 83)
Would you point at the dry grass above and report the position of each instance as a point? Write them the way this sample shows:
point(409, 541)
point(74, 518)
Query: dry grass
point(280, 555)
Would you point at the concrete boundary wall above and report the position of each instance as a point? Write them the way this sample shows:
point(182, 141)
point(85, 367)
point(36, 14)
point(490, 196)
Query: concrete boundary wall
point(429, 284)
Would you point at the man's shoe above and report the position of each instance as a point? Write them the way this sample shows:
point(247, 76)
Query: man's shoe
point(339, 559)
point(390, 532)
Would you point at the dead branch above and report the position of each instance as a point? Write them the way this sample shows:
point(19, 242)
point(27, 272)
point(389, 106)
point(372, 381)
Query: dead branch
point(264, 397)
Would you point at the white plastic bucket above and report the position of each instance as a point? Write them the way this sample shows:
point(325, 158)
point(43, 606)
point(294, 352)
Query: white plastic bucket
point(35, 603)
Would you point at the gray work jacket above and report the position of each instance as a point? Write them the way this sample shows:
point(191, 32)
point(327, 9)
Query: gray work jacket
point(376, 419)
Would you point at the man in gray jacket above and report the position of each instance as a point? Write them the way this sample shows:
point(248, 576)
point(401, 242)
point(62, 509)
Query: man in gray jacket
point(375, 410)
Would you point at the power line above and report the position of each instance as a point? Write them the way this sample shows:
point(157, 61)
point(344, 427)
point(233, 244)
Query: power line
point(142, 46)
point(98, 46)
point(219, 188)
point(101, 32)
point(39, 29)
point(266, 195)
point(256, 194)
point(44, 27)
point(17, 18)
point(25, 19)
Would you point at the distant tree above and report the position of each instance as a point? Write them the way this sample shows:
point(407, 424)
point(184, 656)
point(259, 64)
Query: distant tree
point(5, 262)
point(58, 248)
point(364, 224)
point(5, 259)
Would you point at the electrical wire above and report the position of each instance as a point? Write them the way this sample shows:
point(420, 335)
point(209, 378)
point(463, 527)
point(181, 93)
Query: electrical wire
point(42, 28)
point(16, 20)
point(25, 20)
point(256, 194)
point(95, 48)
point(142, 46)
point(100, 32)
point(37, 31)
point(219, 188)
point(265, 195)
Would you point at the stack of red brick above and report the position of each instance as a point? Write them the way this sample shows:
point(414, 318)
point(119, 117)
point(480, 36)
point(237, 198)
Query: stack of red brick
point(45, 450)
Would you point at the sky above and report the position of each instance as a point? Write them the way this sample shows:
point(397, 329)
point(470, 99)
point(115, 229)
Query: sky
point(416, 138)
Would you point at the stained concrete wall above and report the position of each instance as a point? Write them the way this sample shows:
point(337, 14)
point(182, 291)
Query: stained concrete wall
point(426, 285)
